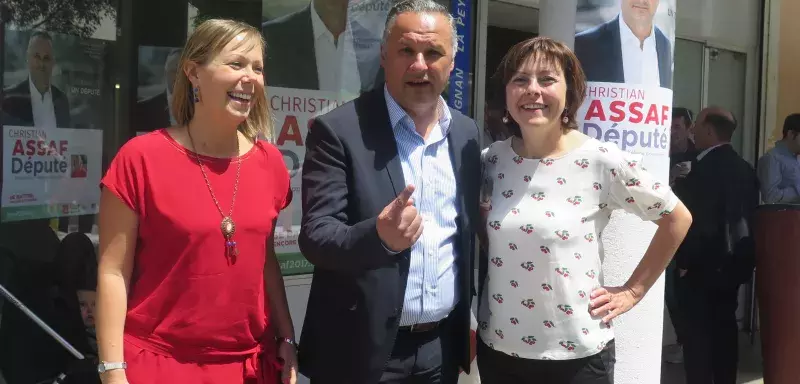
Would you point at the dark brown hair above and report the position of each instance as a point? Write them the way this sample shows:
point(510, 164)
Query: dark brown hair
point(550, 52)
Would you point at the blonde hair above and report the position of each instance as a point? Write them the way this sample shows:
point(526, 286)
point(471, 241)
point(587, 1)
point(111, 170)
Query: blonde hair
point(205, 43)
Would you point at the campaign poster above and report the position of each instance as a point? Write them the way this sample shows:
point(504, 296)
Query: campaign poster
point(626, 50)
point(56, 103)
point(55, 81)
point(319, 55)
point(50, 172)
point(293, 110)
point(156, 77)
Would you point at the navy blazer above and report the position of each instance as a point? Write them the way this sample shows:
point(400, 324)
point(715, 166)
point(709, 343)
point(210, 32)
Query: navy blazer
point(722, 194)
point(152, 113)
point(600, 52)
point(17, 104)
point(291, 59)
point(351, 172)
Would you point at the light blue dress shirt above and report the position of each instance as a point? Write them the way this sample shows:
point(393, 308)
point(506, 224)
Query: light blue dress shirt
point(431, 288)
point(779, 176)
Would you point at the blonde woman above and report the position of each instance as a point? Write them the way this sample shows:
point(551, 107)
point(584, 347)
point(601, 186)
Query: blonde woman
point(189, 288)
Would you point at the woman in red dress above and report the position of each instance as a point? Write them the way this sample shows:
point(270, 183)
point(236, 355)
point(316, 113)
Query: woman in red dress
point(189, 288)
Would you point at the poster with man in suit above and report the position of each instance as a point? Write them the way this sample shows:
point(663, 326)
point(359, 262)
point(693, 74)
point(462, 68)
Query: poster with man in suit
point(635, 46)
point(325, 45)
point(626, 50)
point(56, 102)
point(320, 54)
point(157, 68)
point(35, 100)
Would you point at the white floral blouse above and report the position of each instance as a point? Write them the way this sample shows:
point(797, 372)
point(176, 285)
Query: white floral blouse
point(545, 253)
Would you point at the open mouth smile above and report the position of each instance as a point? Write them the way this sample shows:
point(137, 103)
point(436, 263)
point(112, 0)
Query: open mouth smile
point(241, 97)
point(531, 107)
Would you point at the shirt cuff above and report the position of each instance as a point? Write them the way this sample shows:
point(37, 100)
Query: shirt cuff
point(389, 251)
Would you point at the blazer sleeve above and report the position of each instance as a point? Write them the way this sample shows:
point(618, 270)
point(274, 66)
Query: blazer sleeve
point(701, 247)
point(327, 239)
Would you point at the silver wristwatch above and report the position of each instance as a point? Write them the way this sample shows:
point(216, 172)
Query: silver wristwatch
point(287, 340)
point(105, 366)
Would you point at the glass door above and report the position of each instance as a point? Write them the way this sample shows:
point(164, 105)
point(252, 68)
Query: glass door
point(727, 72)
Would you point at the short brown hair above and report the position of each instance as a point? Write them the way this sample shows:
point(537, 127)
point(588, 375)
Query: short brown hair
point(552, 52)
point(207, 41)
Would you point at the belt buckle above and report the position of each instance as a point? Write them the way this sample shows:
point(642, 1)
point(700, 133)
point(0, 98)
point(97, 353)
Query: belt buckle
point(412, 327)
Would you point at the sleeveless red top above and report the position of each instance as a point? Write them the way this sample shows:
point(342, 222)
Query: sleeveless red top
point(187, 299)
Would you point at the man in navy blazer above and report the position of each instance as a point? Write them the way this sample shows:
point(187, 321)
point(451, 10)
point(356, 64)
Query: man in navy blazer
point(35, 101)
point(390, 194)
point(610, 53)
point(291, 54)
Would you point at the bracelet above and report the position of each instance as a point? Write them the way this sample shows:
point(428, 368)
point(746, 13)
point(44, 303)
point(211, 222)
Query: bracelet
point(105, 366)
point(633, 293)
point(287, 340)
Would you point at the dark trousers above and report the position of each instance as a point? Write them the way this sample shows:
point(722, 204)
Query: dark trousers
point(711, 347)
point(673, 294)
point(498, 368)
point(422, 358)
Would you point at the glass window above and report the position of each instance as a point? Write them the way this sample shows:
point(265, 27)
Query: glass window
point(80, 80)
point(57, 113)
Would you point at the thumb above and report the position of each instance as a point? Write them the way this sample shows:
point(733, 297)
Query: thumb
point(403, 198)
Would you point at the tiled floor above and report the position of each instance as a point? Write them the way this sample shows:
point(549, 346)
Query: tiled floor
point(750, 368)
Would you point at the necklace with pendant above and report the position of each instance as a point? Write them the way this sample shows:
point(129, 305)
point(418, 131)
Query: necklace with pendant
point(227, 225)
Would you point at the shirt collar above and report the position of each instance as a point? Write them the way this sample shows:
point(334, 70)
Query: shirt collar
point(397, 113)
point(705, 152)
point(781, 147)
point(319, 26)
point(627, 34)
point(35, 91)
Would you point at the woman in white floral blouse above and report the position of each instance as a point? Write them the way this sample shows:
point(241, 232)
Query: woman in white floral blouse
point(545, 316)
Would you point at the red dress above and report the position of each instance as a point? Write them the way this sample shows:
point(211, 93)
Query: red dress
point(194, 315)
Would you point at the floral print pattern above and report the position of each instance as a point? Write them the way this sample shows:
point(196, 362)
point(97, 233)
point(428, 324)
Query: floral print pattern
point(547, 217)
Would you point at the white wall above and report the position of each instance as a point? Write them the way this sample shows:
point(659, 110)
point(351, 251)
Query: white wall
point(729, 23)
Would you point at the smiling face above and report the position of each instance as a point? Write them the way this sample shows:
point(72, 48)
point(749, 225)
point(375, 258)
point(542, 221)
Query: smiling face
point(230, 80)
point(418, 58)
point(639, 13)
point(536, 95)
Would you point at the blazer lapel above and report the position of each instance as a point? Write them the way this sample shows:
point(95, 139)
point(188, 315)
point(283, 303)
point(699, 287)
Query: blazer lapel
point(664, 59)
point(615, 54)
point(387, 152)
point(456, 142)
point(305, 64)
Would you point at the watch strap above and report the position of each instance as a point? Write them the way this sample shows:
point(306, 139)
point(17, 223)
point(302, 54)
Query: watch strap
point(110, 366)
point(287, 340)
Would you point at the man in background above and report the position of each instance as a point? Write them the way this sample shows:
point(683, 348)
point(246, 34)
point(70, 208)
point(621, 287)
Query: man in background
point(717, 256)
point(681, 147)
point(327, 46)
point(36, 101)
point(628, 49)
point(155, 112)
point(682, 152)
point(779, 169)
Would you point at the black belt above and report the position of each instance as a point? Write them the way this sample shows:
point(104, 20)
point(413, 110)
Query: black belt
point(421, 327)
